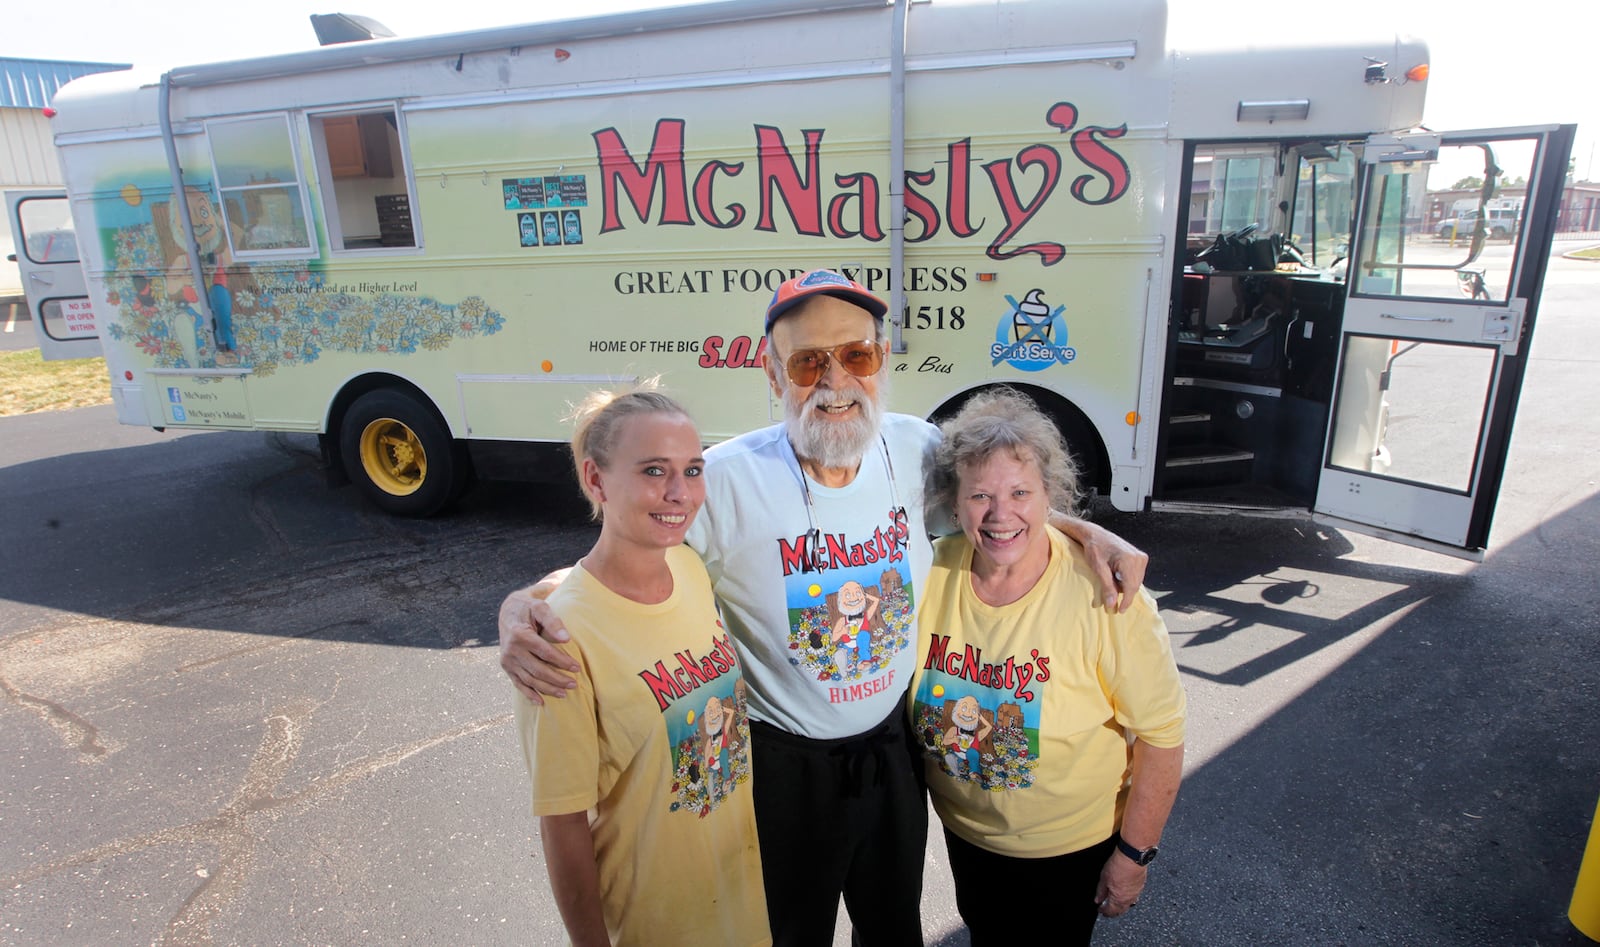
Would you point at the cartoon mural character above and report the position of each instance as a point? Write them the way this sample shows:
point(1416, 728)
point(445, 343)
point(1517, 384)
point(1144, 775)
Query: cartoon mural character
point(1031, 319)
point(719, 734)
point(213, 244)
point(852, 631)
point(967, 731)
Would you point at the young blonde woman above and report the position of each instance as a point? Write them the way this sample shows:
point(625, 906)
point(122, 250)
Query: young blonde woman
point(641, 777)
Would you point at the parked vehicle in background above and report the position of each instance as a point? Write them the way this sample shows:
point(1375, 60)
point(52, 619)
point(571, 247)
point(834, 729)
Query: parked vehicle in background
point(1498, 224)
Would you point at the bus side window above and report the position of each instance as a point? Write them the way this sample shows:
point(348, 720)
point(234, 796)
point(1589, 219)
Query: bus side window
point(259, 187)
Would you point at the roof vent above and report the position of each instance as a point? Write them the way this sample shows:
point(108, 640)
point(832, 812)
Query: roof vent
point(334, 28)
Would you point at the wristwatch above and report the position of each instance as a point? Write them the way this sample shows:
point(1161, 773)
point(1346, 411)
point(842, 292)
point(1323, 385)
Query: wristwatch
point(1141, 857)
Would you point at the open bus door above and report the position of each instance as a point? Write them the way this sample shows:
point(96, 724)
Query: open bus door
point(52, 276)
point(1435, 338)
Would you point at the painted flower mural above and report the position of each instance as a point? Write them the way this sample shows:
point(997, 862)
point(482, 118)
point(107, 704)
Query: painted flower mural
point(282, 315)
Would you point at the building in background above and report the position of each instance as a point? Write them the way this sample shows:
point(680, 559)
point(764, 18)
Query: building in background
point(1579, 212)
point(27, 152)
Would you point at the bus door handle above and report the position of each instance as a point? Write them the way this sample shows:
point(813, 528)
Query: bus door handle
point(1444, 319)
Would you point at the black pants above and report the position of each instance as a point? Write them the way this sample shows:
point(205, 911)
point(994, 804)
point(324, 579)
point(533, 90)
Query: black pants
point(1002, 899)
point(841, 817)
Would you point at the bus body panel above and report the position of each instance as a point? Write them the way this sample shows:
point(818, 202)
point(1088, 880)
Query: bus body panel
point(500, 221)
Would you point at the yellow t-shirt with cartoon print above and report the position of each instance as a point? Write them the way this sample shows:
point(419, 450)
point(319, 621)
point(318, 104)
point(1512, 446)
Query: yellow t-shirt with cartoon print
point(654, 740)
point(1024, 711)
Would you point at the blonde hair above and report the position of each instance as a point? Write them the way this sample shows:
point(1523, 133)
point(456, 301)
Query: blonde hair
point(1001, 419)
point(598, 419)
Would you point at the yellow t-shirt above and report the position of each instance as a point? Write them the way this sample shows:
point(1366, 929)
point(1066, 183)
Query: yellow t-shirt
point(1024, 711)
point(655, 741)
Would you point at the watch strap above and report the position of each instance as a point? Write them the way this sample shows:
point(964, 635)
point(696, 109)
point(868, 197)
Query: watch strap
point(1139, 856)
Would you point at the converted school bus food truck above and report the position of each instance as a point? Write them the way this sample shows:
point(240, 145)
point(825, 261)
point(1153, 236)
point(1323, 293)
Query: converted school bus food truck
point(1209, 265)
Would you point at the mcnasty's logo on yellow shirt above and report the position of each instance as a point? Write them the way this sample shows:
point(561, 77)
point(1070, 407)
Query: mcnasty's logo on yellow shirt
point(668, 684)
point(702, 700)
point(980, 719)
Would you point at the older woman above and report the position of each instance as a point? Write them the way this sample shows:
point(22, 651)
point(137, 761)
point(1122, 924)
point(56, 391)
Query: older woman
point(1052, 726)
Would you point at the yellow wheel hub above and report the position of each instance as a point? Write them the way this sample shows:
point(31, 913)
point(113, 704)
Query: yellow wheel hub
point(393, 457)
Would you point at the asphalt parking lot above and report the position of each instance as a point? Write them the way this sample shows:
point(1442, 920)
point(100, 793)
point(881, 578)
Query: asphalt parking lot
point(16, 329)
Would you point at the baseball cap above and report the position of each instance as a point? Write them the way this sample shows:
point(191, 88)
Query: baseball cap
point(793, 291)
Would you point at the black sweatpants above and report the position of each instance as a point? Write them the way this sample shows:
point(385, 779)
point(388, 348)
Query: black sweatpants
point(841, 817)
point(988, 885)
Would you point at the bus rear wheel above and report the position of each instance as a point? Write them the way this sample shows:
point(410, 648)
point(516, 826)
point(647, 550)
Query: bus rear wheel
point(401, 454)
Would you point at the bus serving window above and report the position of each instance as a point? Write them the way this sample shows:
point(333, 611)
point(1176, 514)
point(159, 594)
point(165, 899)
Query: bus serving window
point(365, 189)
point(258, 181)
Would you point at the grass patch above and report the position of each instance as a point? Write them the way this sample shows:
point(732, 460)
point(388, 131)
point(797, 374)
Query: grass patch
point(1592, 253)
point(28, 383)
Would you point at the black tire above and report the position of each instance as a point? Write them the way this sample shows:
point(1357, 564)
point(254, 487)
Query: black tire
point(400, 454)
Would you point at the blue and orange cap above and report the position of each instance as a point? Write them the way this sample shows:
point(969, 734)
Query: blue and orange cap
point(794, 291)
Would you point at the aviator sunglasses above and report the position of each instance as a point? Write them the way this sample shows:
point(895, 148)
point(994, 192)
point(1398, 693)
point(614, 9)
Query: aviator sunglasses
point(805, 367)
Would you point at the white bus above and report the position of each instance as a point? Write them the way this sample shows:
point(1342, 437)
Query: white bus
point(1209, 265)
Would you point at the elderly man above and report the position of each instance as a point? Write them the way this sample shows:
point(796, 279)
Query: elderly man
point(811, 526)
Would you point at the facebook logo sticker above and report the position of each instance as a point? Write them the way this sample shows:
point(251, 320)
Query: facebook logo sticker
point(173, 396)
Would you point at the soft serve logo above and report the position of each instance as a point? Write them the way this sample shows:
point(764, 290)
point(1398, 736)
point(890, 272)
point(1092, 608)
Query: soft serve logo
point(1032, 336)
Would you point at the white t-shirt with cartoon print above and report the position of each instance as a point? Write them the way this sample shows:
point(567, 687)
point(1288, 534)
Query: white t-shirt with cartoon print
point(819, 593)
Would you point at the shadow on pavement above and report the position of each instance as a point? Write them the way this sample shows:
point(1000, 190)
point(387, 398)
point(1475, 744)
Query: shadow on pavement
point(1434, 788)
point(232, 530)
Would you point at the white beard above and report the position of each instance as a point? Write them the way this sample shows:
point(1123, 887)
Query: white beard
point(839, 444)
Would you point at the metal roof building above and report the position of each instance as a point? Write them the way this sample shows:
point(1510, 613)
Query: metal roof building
point(27, 150)
point(30, 83)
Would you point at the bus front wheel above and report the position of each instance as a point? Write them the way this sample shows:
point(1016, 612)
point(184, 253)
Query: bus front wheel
point(401, 454)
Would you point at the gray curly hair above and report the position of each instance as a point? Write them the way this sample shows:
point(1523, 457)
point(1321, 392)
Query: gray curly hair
point(1001, 419)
